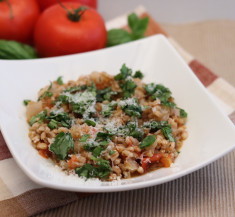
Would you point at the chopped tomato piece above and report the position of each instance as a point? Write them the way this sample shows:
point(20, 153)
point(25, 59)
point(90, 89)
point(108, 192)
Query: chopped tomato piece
point(73, 162)
point(148, 160)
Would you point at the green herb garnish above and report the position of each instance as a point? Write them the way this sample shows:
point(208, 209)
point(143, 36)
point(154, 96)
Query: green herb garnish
point(16, 50)
point(158, 91)
point(103, 136)
point(131, 107)
point(138, 27)
point(38, 118)
point(105, 94)
point(147, 141)
point(62, 144)
point(108, 108)
point(87, 171)
point(26, 102)
point(90, 123)
point(47, 93)
point(84, 137)
point(60, 119)
point(112, 152)
point(59, 80)
point(124, 73)
point(103, 168)
point(164, 126)
point(183, 113)
point(138, 74)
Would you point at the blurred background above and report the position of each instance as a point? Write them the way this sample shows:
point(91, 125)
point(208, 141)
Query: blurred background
point(172, 11)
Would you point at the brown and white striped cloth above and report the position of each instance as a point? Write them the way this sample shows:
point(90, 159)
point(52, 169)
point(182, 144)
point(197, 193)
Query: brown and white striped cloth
point(19, 196)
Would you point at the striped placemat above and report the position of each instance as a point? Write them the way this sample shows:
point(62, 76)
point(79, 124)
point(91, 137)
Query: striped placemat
point(19, 196)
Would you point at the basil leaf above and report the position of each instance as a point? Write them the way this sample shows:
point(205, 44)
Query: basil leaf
point(137, 25)
point(96, 152)
point(16, 50)
point(128, 88)
point(124, 73)
point(47, 93)
point(183, 113)
point(138, 74)
point(147, 141)
point(87, 171)
point(90, 123)
point(164, 126)
point(112, 152)
point(62, 144)
point(131, 108)
point(26, 102)
point(158, 91)
point(38, 118)
point(84, 137)
point(59, 80)
point(105, 94)
point(103, 167)
point(63, 119)
point(53, 124)
point(75, 89)
point(117, 36)
point(103, 136)
point(108, 108)
point(167, 132)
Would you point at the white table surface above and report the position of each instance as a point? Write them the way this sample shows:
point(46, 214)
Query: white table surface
point(172, 11)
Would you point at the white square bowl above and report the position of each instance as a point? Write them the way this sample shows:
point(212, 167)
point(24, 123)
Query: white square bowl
point(211, 133)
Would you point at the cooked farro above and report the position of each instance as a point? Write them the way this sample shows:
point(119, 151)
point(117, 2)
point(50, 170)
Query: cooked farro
point(107, 127)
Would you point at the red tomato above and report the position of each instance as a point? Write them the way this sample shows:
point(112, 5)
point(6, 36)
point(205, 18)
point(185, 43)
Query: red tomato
point(55, 34)
point(17, 19)
point(47, 3)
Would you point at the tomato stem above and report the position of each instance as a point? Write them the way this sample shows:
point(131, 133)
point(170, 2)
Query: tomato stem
point(74, 15)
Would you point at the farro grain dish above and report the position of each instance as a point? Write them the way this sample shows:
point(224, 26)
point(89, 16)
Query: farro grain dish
point(107, 127)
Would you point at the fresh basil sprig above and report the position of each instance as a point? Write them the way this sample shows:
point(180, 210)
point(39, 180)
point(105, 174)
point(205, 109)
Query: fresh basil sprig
point(137, 26)
point(15, 50)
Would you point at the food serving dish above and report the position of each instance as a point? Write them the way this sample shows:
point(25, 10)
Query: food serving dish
point(211, 133)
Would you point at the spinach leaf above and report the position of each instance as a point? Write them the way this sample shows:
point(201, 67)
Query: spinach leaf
point(16, 50)
point(147, 141)
point(62, 144)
